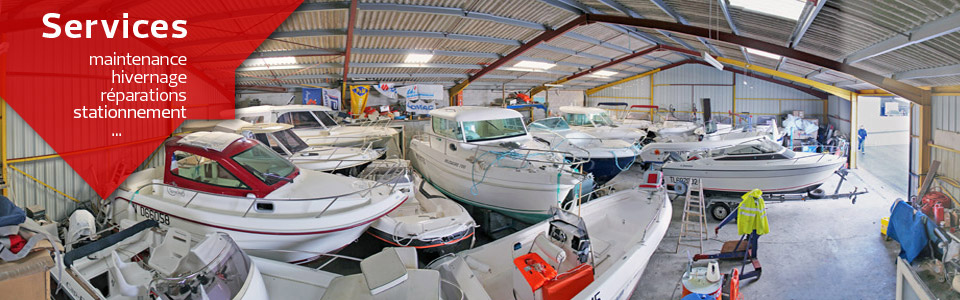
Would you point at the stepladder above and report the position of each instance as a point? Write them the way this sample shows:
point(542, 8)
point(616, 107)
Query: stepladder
point(693, 223)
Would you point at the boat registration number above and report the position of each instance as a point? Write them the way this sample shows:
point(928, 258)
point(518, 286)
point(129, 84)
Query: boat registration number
point(696, 181)
point(149, 213)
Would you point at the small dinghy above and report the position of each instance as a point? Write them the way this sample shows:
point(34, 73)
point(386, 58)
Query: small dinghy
point(427, 221)
point(143, 261)
point(599, 254)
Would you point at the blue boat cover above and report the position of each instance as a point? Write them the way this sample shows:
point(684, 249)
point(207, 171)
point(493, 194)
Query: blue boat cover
point(10, 214)
point(909, 228)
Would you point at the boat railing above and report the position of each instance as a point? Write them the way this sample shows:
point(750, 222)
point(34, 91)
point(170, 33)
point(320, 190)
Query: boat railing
point(364, 192)
point(656, 215)
point(582, 198)
point(526, 156)
point(366, 148)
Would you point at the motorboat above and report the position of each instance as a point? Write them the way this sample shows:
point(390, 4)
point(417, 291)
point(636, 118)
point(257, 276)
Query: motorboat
point(484, 157)
point(142, 261)
point(661, 152)
point(597, 250)
point(217, 181)
point(597, 122)
point(754, 164)
point(281, 138)
point(427, 221)
point(604, 158)
point(314, 125)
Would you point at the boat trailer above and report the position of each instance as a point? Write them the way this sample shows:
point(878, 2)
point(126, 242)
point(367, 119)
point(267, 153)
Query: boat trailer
point(720, 207)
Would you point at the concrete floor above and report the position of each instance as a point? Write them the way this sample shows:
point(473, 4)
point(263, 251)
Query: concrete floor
point(821, 249)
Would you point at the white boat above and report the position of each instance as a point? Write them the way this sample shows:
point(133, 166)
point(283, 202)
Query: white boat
point(216, 181)
point(281, 138)
point(599, 254)
point(314, 125)
point(144, 262)
point(427, 221)
point(661, 152)
point(604, 158)
point(595, 121)
point(755, 164)
point(484, 157)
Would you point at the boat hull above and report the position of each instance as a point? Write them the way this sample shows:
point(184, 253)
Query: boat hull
point(604, 169)
point(517, 193)
point(618, 268)
point(449, 244)
point(271, 243)
point(784, 180)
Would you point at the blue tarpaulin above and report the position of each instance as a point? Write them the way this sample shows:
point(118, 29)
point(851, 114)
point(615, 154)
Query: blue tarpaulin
point(909, 228)
point(10, 214)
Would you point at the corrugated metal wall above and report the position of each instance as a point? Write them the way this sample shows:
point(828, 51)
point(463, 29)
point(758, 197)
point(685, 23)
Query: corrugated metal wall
point(23, 142)
point(838, 110)
point(682, 88)
point(945, 112)
point(634, 92)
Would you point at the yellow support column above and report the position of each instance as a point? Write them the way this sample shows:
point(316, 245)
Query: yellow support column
point(926, 137)
point(854, 126)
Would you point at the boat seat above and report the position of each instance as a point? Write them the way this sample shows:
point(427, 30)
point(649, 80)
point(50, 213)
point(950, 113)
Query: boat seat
point(550, 252)
point(464, 278)
point(129, 279)
point(174, 247)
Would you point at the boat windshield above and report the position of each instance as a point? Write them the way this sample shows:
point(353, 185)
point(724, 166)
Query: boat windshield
point(597, 120)
point(264, 163)
point(485, 130)
point(325, 118)
point(214, 269)
point(550, 124)
point(301, 120)
point(762, 146)
point(287, 138)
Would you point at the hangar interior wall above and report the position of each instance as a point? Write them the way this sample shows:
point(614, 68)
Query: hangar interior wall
point(681, 89)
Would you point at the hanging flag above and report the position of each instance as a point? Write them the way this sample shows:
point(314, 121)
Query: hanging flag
point(332, 99)
point(387, 90)
point(358, 98)
point(312, 96)
point(429, 92)
point(409, 92)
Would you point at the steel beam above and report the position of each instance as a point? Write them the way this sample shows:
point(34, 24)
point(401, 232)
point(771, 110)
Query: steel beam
point(810, 12)
point(598, 67)
point(928, 73)
point(927, 31)
point(680, 19)
point(904, 90)
point(351, 22)
point(580, 8)
point(726, 14)
point(544, 37)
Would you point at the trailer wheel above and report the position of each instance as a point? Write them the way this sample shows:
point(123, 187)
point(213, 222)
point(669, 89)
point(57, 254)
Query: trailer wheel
point(680, 187)
point(719, 210)
point(817, 194)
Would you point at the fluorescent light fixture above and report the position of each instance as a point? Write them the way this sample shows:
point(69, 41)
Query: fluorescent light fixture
point(787, 9)
point(712, 61)
point(763, 53)
point(522, 69)
point(415, 58)
point(603, 73)
point(270, 61)
point(552, 85)
point(529, 64)
point(272, 67)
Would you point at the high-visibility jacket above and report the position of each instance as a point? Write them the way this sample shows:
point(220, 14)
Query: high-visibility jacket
point(752, 214)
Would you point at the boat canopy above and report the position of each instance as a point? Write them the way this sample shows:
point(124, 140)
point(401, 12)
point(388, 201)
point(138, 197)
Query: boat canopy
point(582, 110)
point(217, 141)
point(550, 124)
point(474, 113)
point(300, 116)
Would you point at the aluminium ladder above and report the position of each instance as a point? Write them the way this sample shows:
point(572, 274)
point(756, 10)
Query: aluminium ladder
point(694, 215)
